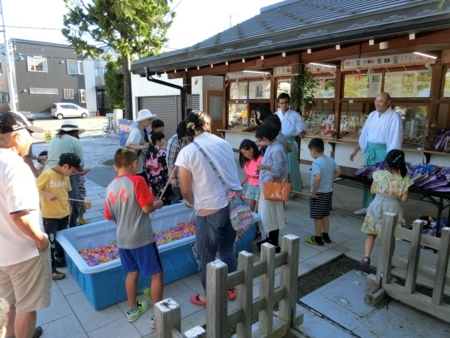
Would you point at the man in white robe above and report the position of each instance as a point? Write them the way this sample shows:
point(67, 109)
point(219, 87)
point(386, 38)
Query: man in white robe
point(292, 124)
point(382, 132)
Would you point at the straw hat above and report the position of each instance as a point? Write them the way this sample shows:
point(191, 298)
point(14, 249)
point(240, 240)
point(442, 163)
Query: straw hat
point(70, 125)
point(144, 114)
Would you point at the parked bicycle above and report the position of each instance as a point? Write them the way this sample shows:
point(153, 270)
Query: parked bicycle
point(110, 128)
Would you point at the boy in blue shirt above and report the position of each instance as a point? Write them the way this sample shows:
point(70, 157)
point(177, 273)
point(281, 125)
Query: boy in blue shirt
point(323, 172)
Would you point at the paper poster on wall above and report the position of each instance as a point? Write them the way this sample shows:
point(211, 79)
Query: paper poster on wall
point(259, 90)
point(125, 127)
point(238, 90)
point(386, 60)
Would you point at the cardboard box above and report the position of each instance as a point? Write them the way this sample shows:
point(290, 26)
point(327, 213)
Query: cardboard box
point(104, 284)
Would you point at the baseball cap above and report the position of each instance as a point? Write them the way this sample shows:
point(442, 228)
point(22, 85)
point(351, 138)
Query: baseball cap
point(73, 161)
point(13, 121)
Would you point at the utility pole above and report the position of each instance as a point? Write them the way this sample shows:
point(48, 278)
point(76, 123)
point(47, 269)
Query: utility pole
point(11, 89)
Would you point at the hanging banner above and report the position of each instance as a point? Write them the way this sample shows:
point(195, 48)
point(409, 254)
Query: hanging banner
point(384, 61)
point(125, 127)
point(47, 136)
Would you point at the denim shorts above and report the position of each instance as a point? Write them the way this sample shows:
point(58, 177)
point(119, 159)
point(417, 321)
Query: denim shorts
point(253, 192)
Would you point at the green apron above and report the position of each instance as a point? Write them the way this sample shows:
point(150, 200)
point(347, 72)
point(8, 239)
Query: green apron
point(376, 152)
point(294, 167)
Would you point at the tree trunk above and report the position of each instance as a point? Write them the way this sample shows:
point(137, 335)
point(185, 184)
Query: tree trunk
point(127, 87)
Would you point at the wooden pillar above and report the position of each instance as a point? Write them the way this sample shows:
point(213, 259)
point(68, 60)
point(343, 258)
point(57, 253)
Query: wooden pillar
point(289, 277)
point(187, 85)
point(216, 299)
point(245, 292)
point(437, 70)
point(413, 257)
point(266, 288)
point(338, 90)
point(441, 267)
point(168, 317)
point(386, 248)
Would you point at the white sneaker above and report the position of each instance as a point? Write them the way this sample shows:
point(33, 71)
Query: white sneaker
point(360, 211)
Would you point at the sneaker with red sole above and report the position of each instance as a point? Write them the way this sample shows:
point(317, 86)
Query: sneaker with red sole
point(231, 294)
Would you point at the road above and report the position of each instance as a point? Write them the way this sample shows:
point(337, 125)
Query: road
point(93, 126)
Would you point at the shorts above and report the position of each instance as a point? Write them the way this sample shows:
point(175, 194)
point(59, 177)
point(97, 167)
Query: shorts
point(27, 285)
point(321, 206)
point(144, 259)
point(253, 192)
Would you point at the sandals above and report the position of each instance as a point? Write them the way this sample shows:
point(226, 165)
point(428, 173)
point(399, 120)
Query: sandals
point(231, 294)
point(37, 332)
point(197, 301)
point(365, 261)
point(82, 222)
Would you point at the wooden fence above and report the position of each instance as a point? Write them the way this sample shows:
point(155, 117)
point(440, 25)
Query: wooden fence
point(411, 269)
point(219, 319)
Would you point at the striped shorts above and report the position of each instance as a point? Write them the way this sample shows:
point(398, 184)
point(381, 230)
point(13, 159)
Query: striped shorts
point(321, 205)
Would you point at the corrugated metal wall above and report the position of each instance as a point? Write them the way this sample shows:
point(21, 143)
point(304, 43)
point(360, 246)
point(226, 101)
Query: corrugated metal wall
point(168, 109)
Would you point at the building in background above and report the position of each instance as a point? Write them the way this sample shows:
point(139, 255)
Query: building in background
point(44, 73)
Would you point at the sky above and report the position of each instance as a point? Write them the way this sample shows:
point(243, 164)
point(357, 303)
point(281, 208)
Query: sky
point(195, 21)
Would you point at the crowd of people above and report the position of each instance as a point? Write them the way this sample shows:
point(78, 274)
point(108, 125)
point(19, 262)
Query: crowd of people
point(195, 166)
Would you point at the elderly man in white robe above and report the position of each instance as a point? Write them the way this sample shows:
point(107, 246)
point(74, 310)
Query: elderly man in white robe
point(292, 124)
point(382, 132)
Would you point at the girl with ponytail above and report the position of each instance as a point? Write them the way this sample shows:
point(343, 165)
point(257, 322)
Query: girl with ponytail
point(390, 187)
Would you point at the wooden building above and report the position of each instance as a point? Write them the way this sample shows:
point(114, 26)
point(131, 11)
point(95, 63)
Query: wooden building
point(355, 48)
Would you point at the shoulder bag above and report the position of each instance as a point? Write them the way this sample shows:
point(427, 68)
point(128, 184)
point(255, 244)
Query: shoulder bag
point(241, 216)
point(276, 191)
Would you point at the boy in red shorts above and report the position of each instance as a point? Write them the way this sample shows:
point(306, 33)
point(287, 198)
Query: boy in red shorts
point(128, 203)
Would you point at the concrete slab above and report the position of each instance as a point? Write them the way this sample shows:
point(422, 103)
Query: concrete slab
point(317, 326)
point(102, 175)
point(342, 300)
point(398, 320)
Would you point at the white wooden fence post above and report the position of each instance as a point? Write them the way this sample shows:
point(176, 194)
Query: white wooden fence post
point(289, 277)
point(168, 317)
point(413, 257)
point(195, 332)
point(441, 267)
point(387, 247)
point(245, 294)
point(216, 299)
point(267, 285)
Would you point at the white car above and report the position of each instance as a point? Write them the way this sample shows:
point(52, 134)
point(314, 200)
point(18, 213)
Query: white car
point(62, 110)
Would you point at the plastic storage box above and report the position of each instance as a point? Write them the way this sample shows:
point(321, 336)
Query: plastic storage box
point(104, 284)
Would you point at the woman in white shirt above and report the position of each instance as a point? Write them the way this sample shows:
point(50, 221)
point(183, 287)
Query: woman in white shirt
point(202, 189)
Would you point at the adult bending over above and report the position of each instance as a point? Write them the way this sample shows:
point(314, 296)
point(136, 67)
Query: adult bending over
point(382, 132)
point(202, 189)
point(174, 145)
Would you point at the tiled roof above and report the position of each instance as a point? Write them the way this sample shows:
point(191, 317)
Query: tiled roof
point(303, 24)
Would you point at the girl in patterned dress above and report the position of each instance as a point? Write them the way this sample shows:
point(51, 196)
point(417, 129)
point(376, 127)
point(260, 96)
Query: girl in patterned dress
point(157, 169)
point(390, 187)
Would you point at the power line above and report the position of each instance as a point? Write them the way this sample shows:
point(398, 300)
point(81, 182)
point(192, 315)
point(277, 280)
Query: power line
point(25, 27)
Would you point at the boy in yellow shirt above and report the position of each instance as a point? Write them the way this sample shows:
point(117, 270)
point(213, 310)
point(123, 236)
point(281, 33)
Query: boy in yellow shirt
point(53, 185)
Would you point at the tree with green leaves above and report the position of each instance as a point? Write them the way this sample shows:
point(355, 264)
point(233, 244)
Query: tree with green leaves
point(114, 84)
point(130, 27)
point(442, 3)
point(303, 86)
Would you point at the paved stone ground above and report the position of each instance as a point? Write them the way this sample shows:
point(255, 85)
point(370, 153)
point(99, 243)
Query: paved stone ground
point(71, 314)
